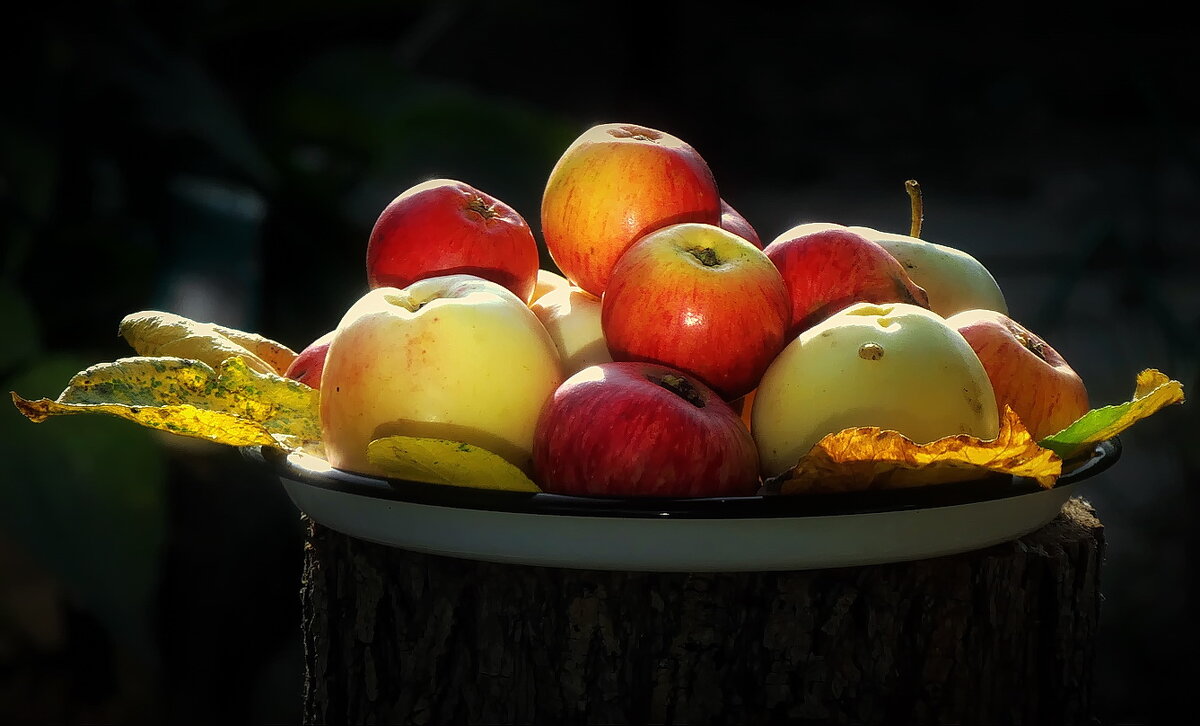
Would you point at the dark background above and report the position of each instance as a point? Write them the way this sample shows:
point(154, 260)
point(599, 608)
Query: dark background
point(226, 160)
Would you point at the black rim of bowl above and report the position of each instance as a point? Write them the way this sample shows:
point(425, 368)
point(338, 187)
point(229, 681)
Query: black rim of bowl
point(1102, 457)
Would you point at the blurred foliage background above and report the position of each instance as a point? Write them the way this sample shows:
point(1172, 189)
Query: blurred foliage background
point(226, 160)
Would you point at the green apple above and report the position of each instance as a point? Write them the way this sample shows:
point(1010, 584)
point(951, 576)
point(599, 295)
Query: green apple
point(896, 366)
point(954, 280)
point(572, 317)
point(453, 357)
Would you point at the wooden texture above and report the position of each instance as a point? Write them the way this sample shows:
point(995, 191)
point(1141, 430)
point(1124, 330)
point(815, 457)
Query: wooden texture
point(998, 636)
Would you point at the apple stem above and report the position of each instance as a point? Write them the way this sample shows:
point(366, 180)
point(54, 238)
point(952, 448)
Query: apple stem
point(916, 206)
point(706, 255)
point(681, 387)
point(1033, 345)
point(481, 207)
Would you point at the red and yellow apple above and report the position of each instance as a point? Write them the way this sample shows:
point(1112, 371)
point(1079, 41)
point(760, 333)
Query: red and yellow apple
point(1026, 373)
point(614, 184)
point(455, 357)
point(640, 429)
point(828, 269)
point(733, 221)
point(308, 366)
point(699, 299)
point(445, 227)
point(572, 317)
point(896, 366)
point(954, 280)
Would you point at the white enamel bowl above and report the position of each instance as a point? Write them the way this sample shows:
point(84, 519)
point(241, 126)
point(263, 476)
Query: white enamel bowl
point(758, 533)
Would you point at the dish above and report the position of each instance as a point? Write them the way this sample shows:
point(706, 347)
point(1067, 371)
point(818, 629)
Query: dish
point(758, 533)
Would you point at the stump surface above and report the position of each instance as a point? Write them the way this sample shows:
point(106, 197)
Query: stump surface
point(1000, 635)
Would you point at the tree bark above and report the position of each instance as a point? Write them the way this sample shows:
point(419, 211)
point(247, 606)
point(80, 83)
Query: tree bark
point(1003, 635)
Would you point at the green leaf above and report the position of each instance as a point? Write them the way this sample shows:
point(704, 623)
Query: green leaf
point(1153, 392)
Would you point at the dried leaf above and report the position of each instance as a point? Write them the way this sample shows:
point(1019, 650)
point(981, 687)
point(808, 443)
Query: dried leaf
point(156, 333)
point(1152, 392)
point(275, 354)
point(437, 461)
point(872, 458)
point(230, 404)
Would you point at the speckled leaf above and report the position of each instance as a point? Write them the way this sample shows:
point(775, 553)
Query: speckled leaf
point(156, 333)
point(873, 458)
point(437, 461)
point(231, 404)
point(1152, 392)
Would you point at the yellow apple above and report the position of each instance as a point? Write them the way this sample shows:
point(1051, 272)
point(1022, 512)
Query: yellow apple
point(454, 357)
point(548, 281)
point(896, 366)
point(954, 280)
point(572, 317)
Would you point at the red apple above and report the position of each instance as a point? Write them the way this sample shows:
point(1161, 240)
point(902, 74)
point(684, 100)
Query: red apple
point(733, 221)
point(614, 184)
point(1026, 373)
point(309, 364)
point(700, 299)
point(444, 227)
point(640, 429)
point(827, 269)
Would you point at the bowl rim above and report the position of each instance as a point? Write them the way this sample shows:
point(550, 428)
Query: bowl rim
point(313, 471)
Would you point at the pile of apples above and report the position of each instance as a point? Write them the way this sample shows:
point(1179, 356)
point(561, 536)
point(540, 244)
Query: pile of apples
point(675, 354)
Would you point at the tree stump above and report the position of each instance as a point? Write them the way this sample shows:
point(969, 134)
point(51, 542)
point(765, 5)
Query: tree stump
point(1003, 635)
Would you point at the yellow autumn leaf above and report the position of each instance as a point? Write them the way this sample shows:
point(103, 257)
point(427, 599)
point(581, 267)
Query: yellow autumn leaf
point(156, 333)
point(230, 404)
point(437, 461)
point(1152, 392)
point(274, 353)
point(868, 457)
point(191, 421)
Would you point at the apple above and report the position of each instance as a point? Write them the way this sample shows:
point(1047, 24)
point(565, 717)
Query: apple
point(828, 269)
point(631, 429)
point(309, 364)
point(445, 226)
point(698, 298)
point(547, 281)
point(896, 366)
point(954, 280)
point(453, 357)
point(614, 184)
point(733, 221)
point(572, 317)
point(1026, 373)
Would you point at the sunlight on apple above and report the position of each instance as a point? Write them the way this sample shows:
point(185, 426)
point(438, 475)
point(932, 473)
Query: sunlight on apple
point(589, 374)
